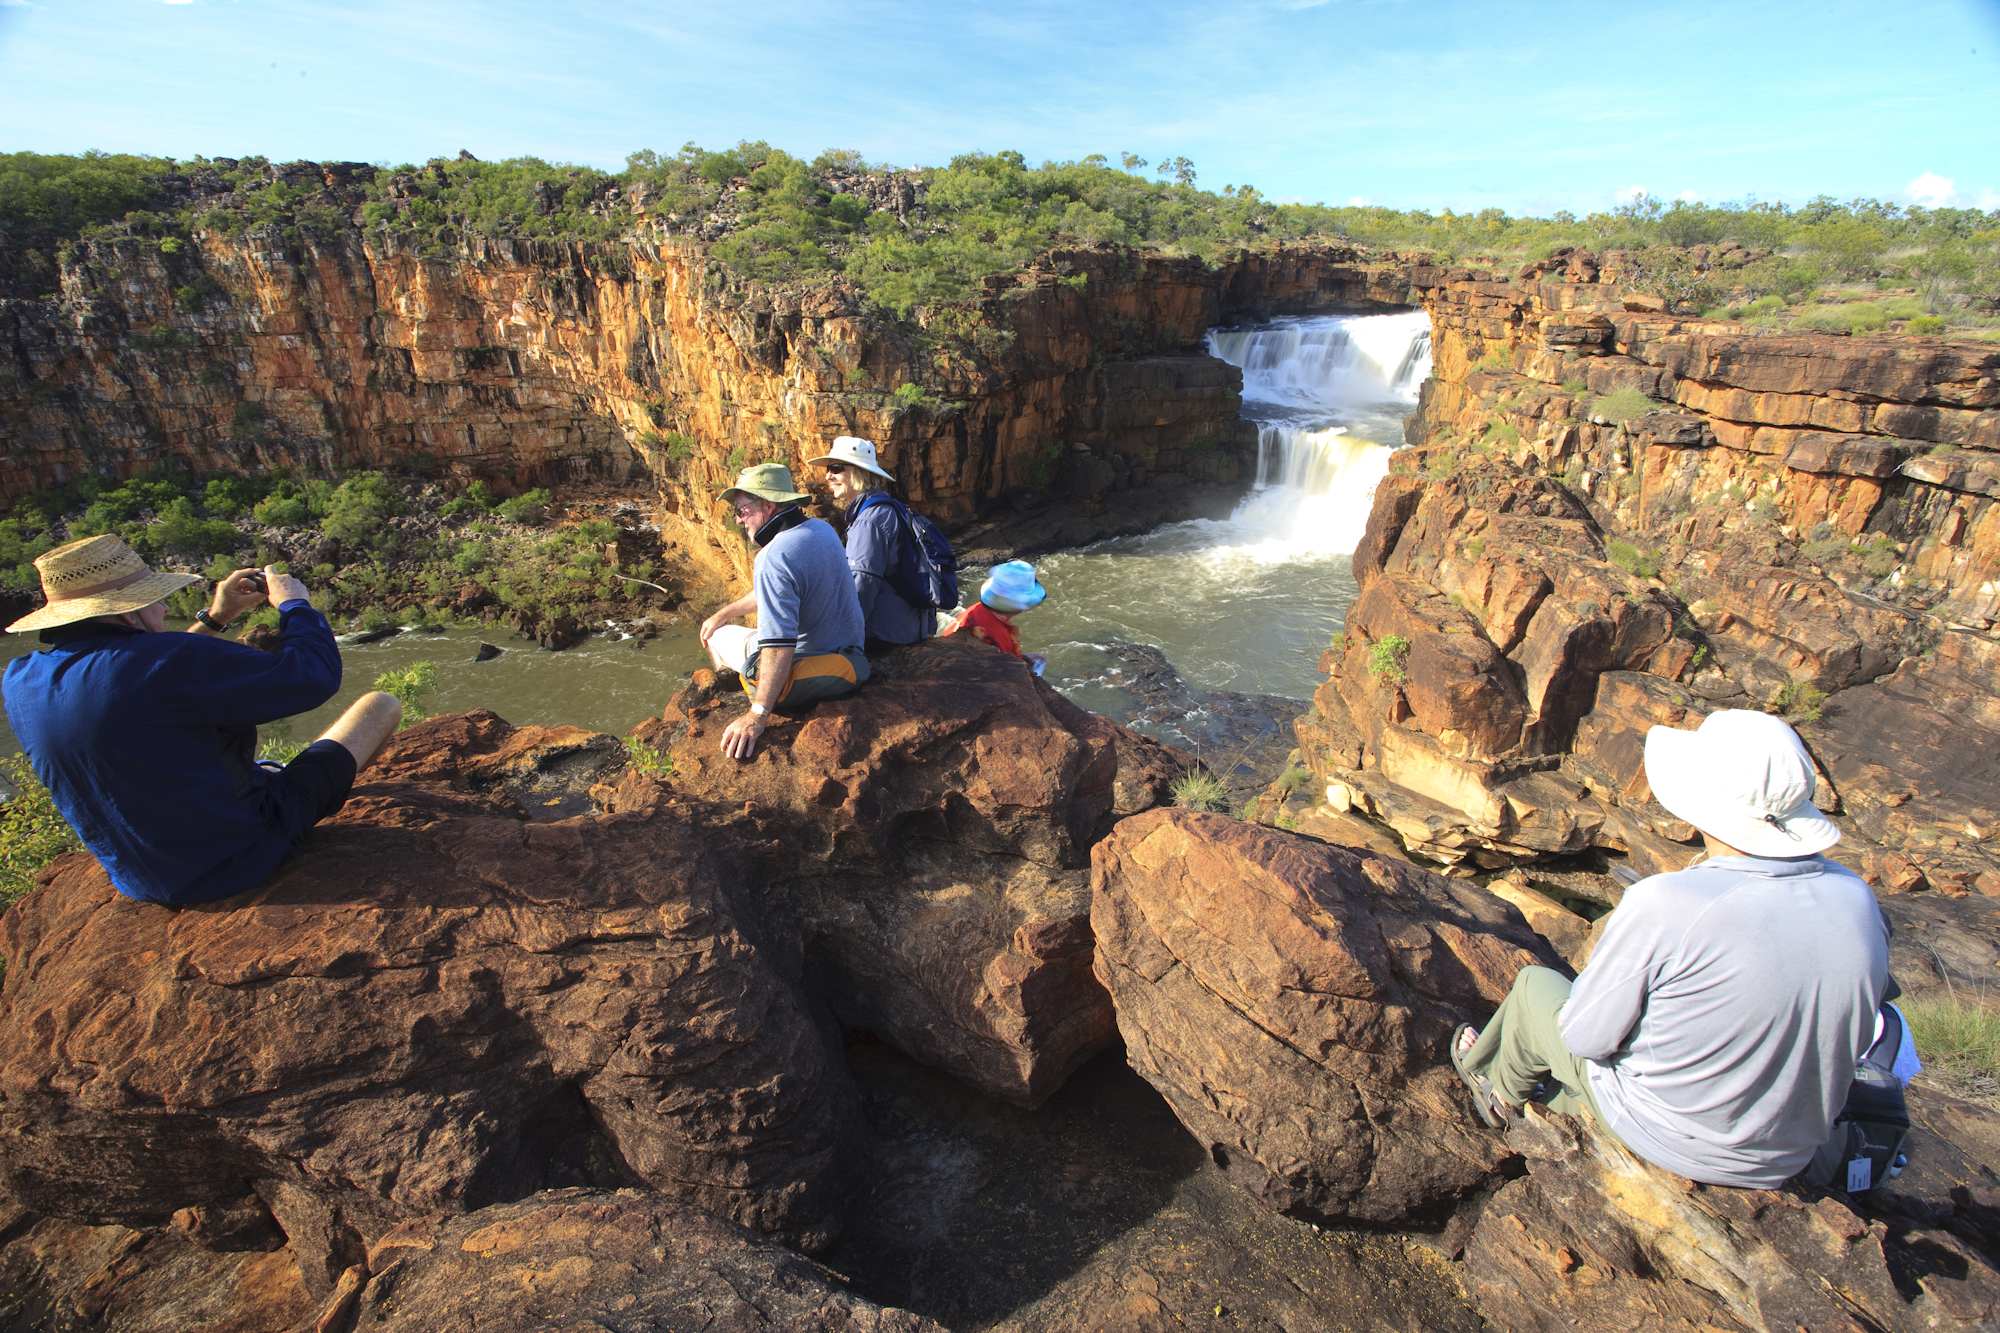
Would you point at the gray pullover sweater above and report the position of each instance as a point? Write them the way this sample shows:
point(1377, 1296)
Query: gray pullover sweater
point(1724, 1009)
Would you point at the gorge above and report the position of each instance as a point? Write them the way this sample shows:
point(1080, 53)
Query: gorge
point(421, 1059)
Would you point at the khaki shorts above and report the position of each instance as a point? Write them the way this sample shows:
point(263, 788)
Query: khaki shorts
point(819, 676)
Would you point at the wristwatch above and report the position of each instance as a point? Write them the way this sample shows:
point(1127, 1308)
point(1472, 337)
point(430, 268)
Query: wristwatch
point(758, 710)
point(205, 618)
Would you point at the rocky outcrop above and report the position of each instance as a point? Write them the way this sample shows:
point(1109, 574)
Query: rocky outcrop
point(625, 1262)
point(441, 1006)
point(1292, 1001)
point(1592, 1236)
point(933, 834)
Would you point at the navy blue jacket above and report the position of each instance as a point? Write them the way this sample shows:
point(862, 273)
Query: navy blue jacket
point(148, 744)
point(875, 540)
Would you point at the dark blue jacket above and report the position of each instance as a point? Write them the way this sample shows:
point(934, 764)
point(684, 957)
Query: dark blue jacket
point(148, 744)
point(875, 540)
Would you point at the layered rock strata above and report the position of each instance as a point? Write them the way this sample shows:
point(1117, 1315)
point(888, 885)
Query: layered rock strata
point(1592, 1236)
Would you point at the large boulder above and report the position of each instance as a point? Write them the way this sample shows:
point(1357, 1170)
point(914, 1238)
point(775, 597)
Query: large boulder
point(1293, 1002)
point(934, 832)
point(440, 1006)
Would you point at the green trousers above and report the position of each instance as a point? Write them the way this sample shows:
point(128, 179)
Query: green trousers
point(1521, 1047)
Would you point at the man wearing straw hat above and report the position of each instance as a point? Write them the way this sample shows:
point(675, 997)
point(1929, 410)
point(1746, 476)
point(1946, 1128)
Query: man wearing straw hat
point(808, 640)
point(1718, 1024)
point(147, 740)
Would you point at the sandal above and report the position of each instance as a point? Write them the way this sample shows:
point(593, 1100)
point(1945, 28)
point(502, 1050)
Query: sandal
point(1485, 1100)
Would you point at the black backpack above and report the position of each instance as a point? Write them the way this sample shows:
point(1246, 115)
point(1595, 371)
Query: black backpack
point(926, 571)
point(1867, 1140)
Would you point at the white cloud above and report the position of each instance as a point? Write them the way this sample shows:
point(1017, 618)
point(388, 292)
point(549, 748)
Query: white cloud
point(1632, 192)
point(1932, 190)
point(1988, 199)
point(1690, 196)
point(1358, 201)
point(22, 3)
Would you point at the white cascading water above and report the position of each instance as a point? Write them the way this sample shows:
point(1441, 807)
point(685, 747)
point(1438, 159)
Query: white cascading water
point(1248, 602)
point(1311, 384)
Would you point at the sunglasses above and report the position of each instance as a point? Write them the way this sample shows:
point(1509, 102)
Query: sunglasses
point(836, 470)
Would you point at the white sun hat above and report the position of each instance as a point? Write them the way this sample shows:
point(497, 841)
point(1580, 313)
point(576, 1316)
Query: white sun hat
point(1743, 777)
point(855, 452)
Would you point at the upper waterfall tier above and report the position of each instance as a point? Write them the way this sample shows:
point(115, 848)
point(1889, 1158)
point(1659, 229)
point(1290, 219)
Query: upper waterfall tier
point(1325, 364)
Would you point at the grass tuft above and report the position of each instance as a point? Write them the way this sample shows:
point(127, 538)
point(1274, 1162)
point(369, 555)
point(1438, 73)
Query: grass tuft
point(1200, 791)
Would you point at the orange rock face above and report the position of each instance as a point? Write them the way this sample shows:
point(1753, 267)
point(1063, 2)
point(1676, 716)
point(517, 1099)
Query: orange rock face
point(1292, 1001)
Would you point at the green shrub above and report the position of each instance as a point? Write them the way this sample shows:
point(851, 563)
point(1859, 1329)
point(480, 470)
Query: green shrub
point(1925, 324)
point(1575, 388)
point(1881, 558)
point(32, 831)
point(1294, 778)
point(410, 685)
point(1855, 317)
point(358, 511)
point(526, 508)
point(1632, 560)
point(679, 447)
point(1387, 659)
point(1624, 405)
point(643, 758)
point(1825, 551)
point(1200, 791)
point(1798, 701)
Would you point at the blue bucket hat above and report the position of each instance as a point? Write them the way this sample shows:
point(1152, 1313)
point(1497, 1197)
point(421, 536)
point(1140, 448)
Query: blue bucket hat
point(1011, 587)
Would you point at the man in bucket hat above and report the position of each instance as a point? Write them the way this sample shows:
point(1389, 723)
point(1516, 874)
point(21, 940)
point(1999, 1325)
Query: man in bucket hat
point(147, 740)
point(1718, 1024)
point(807, 644)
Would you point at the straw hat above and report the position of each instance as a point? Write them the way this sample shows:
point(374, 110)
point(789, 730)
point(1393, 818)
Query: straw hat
point(1744, 777)
point(855, 452)
point(98, 576)
point(1012, 587)
point(766, 481)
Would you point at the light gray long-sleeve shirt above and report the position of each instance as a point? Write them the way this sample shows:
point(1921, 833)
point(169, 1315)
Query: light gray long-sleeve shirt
point(1724, 1009)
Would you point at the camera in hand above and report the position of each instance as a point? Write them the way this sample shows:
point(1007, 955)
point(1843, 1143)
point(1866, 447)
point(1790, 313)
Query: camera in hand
point(256, 579)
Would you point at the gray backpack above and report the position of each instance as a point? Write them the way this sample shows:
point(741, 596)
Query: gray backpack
point(1866, 1145)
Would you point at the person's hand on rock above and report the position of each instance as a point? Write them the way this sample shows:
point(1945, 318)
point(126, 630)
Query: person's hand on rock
point(739, 739)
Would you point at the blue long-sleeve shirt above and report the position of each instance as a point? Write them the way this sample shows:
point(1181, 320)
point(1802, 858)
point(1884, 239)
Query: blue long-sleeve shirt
point(148, 741)
point(875, 539)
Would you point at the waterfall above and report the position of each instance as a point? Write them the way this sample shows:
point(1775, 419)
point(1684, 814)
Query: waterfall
point(1323, 392)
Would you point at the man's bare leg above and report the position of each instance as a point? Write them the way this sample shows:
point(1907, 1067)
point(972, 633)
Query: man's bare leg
point(367, 726)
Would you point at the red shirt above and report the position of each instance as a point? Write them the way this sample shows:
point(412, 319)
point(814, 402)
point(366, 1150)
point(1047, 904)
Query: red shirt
point(987, 625)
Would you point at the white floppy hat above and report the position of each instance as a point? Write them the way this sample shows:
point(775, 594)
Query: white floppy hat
point(1743, 777)
point(855, 452)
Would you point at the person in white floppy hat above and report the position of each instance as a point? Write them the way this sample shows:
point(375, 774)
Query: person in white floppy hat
point(876, 533)
point(1717, 1026)
point(147, 740)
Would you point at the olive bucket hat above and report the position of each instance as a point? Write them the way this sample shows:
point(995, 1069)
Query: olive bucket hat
point(766, 481)
point(98, 576)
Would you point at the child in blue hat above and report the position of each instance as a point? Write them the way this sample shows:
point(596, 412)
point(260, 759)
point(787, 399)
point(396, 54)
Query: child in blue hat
point(1009, 590)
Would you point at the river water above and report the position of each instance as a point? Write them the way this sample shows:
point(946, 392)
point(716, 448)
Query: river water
point(1242, 604)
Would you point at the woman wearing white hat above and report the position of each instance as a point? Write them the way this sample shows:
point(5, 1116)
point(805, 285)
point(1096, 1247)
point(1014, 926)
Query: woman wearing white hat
point(876, 533)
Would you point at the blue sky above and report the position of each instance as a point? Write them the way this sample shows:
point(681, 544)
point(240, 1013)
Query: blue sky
point(1421, 103)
